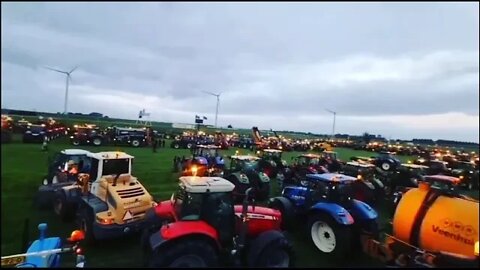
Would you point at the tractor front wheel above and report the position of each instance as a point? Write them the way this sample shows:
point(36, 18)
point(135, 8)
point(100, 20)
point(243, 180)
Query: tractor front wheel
point(185, 253)
point(135, 143)
point(97, 141)
point(330, 237)
point(279, 253)
point(76, 142)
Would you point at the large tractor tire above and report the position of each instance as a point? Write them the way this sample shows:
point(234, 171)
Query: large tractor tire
point(185, 253)
point(277, 253)
point(285, 207)
point(85, 222)
point(145, 244)
point(329, 237)
point(64, 209)
point(135, 143)
point(97, 141)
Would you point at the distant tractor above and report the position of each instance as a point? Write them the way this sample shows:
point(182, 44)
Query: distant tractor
point(335, 219)
point(244, 173)
point(35, 134)
point(206, 161)
point(329, 160)
point(271, 163)
point(87, 135)
point(63, 170)
point(368, 188)
point(201, 227)
point(302, 165)
point(135, 137)
point(108, 201)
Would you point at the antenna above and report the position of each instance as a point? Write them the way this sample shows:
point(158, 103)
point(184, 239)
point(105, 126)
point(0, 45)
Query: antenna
point(218, 102)
point(334, 116)
point(68, 78)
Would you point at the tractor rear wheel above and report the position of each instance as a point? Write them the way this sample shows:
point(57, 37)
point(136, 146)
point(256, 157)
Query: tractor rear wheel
point(386, 166)
point(329, 237)
point(185, 253)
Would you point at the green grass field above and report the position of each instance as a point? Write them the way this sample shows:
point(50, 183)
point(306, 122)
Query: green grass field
point(24, 166)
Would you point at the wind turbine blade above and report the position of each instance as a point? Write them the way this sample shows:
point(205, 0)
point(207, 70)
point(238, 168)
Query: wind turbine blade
point(210, 93)
point(73, 69)
point(56, 70)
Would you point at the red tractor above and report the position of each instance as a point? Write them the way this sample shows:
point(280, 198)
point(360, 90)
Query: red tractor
point(201, 227)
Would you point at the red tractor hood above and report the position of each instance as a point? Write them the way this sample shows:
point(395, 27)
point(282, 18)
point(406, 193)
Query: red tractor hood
point(261, 220)
point(165, 210)
point(259, 211)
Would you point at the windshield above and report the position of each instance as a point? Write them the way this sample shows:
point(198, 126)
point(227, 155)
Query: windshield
point(330, 155)
point(308, 161)
point(250, 164)
point(466, 166)
point(116, 166)
point(187, 205)
point(340, 192)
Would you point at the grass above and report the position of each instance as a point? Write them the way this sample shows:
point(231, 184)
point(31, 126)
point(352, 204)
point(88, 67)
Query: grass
point(23, 167)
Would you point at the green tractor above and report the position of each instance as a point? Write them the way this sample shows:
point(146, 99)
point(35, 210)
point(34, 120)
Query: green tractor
point(244, 173)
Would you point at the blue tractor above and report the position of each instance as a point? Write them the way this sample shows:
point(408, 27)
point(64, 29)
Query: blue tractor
point(206, 161)
point(335, 220)
point(45, 252)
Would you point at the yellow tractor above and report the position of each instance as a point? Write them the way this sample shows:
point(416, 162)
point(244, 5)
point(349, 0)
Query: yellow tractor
point(107, 200)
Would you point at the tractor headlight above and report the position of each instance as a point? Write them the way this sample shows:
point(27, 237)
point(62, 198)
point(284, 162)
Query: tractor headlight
point(476, 249)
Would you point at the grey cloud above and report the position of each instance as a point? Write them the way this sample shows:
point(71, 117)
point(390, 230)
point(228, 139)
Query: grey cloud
point(271, 59)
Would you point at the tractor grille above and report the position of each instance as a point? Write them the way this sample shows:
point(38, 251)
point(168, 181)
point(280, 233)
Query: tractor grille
point(129, 193)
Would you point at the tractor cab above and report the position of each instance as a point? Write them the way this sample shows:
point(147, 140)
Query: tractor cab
point(329, 160)
point(332, 187)
point(307, 160)
point(243, 163)
point(271, 162)
point(210, 152)
point(208, 199)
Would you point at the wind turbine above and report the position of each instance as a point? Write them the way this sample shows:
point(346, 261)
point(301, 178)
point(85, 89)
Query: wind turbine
point(218, 101)
point(66, 88)
point(334, 116)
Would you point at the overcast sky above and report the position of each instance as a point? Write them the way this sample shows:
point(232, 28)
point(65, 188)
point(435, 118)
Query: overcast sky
point(404, 70)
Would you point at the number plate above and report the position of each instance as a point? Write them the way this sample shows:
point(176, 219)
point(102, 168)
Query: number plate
point(13, 260)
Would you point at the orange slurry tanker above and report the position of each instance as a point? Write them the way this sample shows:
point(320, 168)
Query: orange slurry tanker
point(431, 228)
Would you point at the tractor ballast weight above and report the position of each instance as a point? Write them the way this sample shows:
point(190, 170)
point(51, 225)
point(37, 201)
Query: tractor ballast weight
point(432, 229)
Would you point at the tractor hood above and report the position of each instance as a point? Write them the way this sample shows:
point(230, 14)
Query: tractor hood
point(261, 211)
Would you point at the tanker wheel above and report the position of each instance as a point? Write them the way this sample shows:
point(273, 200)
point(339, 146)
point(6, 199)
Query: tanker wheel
point(185, 253)
point(279, 253)
point(329, 237)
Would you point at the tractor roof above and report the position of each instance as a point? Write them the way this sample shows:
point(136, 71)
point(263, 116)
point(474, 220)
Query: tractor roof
point(210, 146)
point(109, 155)
point(360, 164)
point(442, 178)
point(309, 155)
point(272, 150)
point(196, 184)
point(331, 177)
point(75, 152)
point(414, 166)
point(329, 152)
point(244, 157)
